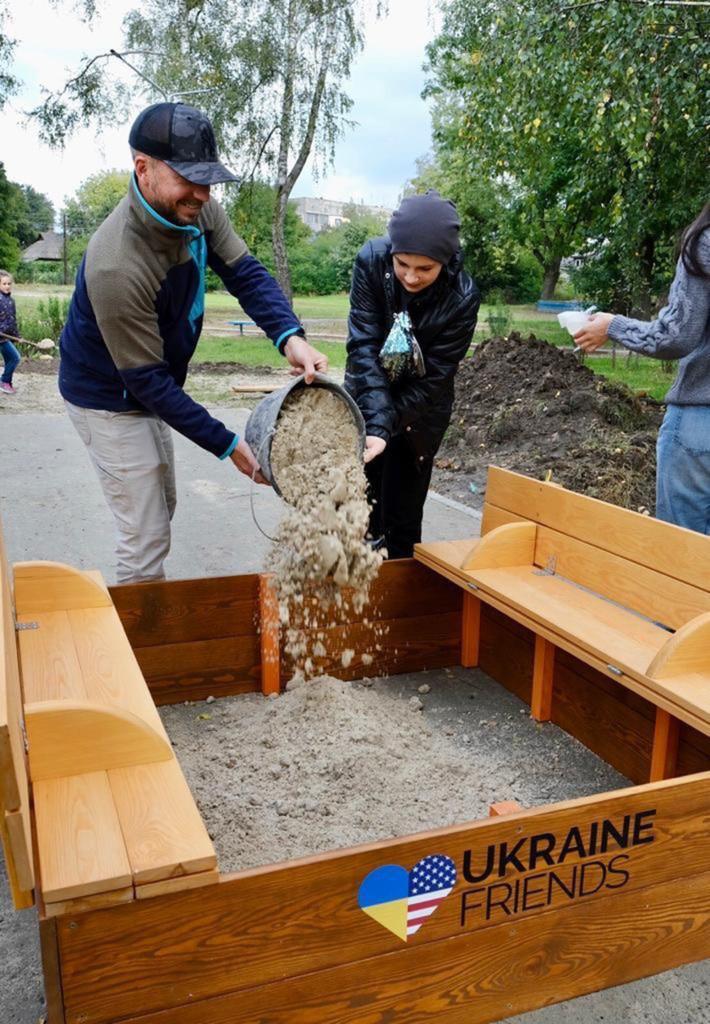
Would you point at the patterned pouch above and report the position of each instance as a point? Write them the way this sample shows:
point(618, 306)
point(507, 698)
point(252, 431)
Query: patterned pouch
point(401, 352)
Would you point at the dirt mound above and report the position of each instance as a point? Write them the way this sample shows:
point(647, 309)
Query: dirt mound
point(526, 405)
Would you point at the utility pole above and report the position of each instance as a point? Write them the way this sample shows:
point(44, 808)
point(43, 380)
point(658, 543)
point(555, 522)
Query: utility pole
point(64, 245)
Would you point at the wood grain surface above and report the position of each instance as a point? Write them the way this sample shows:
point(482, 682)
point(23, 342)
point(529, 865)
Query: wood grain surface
point(481, 977)
point(281, 922)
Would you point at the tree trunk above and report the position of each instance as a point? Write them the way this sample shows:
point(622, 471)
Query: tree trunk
point(287, 179)
point(643, 305)
point(550, 278)
point(278, 225)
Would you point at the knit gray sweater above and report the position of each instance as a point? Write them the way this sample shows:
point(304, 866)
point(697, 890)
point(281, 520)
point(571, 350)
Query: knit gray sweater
point(681, 331)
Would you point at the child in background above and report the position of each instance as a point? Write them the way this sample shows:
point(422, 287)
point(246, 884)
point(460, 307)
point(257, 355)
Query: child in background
point(8, 325)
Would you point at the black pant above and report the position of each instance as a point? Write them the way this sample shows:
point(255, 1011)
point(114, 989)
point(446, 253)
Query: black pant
point(398, 483)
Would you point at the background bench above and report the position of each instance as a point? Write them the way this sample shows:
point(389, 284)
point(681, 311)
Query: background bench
point(625, 593)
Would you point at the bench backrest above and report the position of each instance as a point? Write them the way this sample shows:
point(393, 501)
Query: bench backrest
point(14, 791)
point(657, 569)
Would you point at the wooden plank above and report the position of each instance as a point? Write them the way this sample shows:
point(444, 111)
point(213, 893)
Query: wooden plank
point(476, 979)
point(693, 751)
point(606, 633)
point(50, 664)
point(659, 597)
point(664, 755)
point(14, 790)
point(51, 971)
point(470, 631)
point(607, 718)
point(180, 611)
point(543, 673)
point(613, 721)
point(164, 834)
point(77, 737)
point(407, 645)
point(97, 901)
point(686, 655)
point(269, 632)
point(53, 586)
point(15, 862)
point(280, 922)
point(513, 544)
point(81, 848)
point(504, 807)
point(664, 697)
point(109, 668)
point(171, 885)
point(672, 550)
point(492, 516)
point(201, 668)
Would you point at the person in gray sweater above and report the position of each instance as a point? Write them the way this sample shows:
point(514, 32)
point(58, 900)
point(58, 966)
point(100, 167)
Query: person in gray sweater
point(681, 331)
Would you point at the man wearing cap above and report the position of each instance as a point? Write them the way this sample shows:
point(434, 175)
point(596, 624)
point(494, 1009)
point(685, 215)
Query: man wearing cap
point(413, 311)
point(135, 320)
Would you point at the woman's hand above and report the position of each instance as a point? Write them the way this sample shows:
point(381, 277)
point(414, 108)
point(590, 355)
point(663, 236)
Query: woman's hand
point(593, 335)
point(374, 446)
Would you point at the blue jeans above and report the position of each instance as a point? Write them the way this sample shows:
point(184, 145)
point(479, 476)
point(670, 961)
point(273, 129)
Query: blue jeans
point(683, 473)
point(11, 357)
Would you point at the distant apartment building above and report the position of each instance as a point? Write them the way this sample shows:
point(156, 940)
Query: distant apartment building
point(319, 214)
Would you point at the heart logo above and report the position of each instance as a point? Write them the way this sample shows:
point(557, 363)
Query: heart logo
point(402, 900)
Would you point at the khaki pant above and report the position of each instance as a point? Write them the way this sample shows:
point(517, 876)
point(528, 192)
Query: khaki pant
point(132, 454)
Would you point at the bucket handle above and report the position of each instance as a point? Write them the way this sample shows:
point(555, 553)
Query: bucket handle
point(253, 486)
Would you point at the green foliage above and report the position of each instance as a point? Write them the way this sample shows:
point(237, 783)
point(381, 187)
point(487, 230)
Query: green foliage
point(93, 201)
point(492, 255)
point(498, 319)
point(589, 115)
point(268, 72)
point(251, 211)
point(95, 198)
point(9, 246)
point(35, 214)
point(46, 322)
point(9, 84)
point(40, 272)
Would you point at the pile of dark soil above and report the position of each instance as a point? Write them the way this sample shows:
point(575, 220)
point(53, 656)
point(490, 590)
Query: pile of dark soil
point(525, 405)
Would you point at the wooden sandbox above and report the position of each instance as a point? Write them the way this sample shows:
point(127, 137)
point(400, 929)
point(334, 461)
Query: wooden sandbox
point(596, 617)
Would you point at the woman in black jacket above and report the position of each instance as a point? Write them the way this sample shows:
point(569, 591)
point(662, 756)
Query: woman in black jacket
point(413, 311)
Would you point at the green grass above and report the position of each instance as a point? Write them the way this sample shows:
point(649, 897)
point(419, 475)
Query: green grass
point(638, 373)
point(258, 352)
point(308, 307)
point(646, 375)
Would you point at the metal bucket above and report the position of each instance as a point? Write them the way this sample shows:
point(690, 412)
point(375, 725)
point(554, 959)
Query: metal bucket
point(261, 425)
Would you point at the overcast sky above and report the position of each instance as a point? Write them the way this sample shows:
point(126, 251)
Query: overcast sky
point(372, 162)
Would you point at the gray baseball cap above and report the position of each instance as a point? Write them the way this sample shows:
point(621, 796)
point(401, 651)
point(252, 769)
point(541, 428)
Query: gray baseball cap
point(183, 138)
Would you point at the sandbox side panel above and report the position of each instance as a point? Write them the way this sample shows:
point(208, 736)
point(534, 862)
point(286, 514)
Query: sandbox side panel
point(482, 977)
point(194, 638)
point(271, 924)
point(51, 970)
point(610, 720)
point(411, 623)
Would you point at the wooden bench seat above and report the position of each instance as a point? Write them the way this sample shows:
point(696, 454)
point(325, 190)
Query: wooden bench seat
point(627, 594)
point(114, 817)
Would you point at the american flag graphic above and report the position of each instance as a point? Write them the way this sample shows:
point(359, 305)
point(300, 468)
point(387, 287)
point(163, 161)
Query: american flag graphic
point(430, 881)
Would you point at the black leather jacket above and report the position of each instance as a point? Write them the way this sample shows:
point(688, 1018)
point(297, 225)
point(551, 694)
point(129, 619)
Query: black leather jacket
point(443, 319)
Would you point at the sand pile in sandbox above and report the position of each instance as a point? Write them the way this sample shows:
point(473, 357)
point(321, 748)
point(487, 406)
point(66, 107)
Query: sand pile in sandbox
point(322, 566)
point(331, 764)
point(328, 764)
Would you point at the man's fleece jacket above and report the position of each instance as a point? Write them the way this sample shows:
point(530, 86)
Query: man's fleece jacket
point(136, 314)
